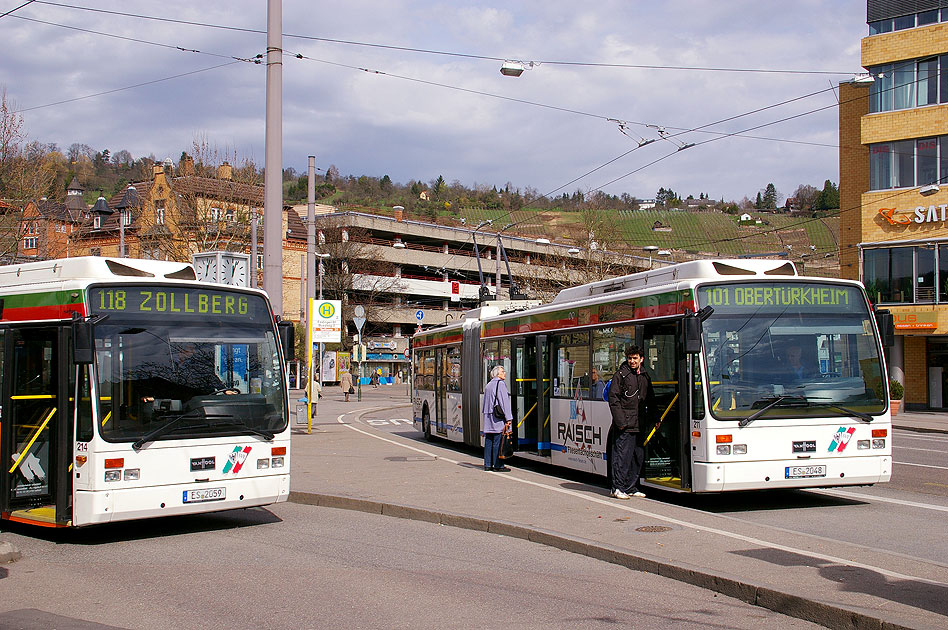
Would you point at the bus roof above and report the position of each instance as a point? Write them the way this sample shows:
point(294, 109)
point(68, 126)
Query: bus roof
point(91, 268)
point(695, 270)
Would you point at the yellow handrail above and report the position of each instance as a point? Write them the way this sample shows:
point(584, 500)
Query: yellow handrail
point(659, 423)
point(33, 439)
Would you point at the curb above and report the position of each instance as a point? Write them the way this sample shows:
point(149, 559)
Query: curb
point(919, 429)
point(9, 553)
point(784, 603)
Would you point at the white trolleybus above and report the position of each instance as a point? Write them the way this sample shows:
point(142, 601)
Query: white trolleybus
point(129, 390)
point(762, 378)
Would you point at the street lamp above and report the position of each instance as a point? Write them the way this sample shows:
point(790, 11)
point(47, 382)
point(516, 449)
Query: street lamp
point(650, 249)
point(931, 189)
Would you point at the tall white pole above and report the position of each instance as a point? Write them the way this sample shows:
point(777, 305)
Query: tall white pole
point(319, 361)
point(311, 232)
point(273, 178)
point(254, 215)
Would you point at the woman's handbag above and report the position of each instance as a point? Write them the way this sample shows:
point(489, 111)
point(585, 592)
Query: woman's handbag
point(352, 389)
point(506, 446)
point(499, 413)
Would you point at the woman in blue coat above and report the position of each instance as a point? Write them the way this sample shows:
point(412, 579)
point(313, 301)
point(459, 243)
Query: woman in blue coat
point(494, 427)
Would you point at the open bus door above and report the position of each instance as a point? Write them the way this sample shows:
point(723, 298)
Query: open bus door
point(666, 436)
point(36, 435)
point(531, 394)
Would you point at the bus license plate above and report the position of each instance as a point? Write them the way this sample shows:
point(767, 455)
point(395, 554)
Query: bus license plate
point(204, 494)
point(802, 472)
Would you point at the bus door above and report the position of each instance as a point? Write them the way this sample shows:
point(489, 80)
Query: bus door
point(531, 394)
point(36, 427)
point(441, 384)
point(662, 434)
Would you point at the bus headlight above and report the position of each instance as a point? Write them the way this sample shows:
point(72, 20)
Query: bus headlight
point(862, 445)
point(740, 449)
point(263, 463)
point(878, 443)
point(276, 462)
point(132, 474)
point(724, 449)
point(113, 475)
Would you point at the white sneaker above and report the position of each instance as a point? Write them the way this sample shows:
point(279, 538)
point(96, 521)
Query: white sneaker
point(638, 494)
point(619, 494)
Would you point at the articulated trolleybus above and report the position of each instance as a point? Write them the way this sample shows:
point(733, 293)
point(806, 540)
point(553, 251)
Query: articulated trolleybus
point(762, 378)
point(129, 391)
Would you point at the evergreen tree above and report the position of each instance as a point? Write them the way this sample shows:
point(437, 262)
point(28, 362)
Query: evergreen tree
point(828, 198)
point(769, 201)
point(758, 204)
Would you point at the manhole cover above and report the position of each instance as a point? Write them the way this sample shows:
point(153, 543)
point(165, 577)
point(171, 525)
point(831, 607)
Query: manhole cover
point(650, 529)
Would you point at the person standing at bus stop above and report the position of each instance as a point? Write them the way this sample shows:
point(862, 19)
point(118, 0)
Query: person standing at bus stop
point(630, 395)
point(495, 396)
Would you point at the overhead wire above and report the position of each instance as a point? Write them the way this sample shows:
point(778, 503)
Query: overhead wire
point(5, 14)
point(448, 53)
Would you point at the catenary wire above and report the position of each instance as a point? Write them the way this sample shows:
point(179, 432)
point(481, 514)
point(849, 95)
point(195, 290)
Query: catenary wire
point(2, 15)
point(448, 53)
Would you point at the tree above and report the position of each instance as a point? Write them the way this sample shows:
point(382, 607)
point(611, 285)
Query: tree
point(759, 203)
point(828, 198)
point(805, 197)
point(769, 200)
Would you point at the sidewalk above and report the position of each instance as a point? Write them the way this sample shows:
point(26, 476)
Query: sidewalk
point(351, 465)
point(922, 421)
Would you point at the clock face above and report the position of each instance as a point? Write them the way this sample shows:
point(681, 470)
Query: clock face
point(235, 272)
point(206, 269)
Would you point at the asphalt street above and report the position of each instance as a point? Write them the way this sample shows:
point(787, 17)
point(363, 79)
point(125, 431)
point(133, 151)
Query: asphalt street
point(296, 566)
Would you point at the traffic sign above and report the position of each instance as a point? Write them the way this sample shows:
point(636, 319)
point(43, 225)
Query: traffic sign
point(359, 322)
point(455, 291)
point(326, 321)
point(419, 315)
point(359, 311)
point(406, 353)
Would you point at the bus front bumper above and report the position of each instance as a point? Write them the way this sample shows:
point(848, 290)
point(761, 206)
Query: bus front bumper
point(791, 473)
point(122, 504)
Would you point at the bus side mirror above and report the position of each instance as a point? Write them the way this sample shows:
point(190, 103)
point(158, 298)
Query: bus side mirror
point(287, 339)
point(886, 324)
point(83, 346)
point(691, 328)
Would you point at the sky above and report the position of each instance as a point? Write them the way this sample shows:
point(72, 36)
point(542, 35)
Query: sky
point(372, 107)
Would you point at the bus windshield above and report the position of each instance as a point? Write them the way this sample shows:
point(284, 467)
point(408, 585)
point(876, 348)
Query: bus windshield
point(191, 361)
point(790, 349)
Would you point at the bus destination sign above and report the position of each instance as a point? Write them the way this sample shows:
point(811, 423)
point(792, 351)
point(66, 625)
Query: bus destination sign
point(171, 301)
point(810, 297)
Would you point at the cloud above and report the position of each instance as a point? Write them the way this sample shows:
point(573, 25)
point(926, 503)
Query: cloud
point(369, 123)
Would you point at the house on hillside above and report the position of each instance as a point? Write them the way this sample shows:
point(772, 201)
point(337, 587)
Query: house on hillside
point(46, 226)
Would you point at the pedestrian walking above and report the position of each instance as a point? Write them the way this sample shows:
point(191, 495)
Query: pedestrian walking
point(345, 383)
point(497, 418)
point(630, 396)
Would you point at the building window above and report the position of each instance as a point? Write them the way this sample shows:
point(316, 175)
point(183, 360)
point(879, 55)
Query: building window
point(910, 83)
point(29, 242)
point(927, 162)
point(230, 215)
point(159, 216)
point(96, 222)
point(215, 214)
point(927, 81)
point(892, 165)
point(259, 262)
point(95, 251)
point(906, 275)
point(126, 218)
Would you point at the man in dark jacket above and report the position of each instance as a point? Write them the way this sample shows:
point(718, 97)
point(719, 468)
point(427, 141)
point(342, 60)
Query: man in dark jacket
point(630, 395)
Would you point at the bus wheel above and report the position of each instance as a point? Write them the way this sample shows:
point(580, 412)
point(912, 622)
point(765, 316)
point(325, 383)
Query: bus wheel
point(426, 423)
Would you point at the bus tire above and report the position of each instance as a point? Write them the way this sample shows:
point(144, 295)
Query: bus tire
point(426, 423)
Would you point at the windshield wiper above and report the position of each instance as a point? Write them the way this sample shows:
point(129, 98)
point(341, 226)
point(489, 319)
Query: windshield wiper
point(267, 435)
point(849, 412)
point(798, 401)
point(167, 427)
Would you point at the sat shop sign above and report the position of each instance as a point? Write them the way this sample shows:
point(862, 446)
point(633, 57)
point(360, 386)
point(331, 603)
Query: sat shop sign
point(915, 321)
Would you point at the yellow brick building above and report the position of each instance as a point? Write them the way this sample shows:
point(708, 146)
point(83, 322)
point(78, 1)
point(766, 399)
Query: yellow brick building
point(893, 137)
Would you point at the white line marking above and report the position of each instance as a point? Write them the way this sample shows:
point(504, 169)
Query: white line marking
point(869, 497)
point(925, 437)
point(921, 465)
point(610, 503)
point(912, 448)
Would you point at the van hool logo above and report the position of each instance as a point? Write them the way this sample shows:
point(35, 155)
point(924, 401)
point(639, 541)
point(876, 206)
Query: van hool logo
point(932, 214)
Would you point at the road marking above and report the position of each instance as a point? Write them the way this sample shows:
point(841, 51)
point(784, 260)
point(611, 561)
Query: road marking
point(927, 437)
point(870, 497)
point(932, 483)
point(912, 448)
point(922, 465)
point(675, 521)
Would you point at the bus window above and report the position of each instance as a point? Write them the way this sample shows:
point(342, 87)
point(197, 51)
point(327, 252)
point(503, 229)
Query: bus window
point(608, 349)
point(453, 368)
point(490, 356)
point(571, 376)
